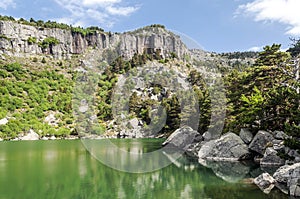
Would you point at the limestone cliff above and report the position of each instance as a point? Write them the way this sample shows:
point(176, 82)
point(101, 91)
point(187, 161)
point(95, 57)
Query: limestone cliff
point(14, 40)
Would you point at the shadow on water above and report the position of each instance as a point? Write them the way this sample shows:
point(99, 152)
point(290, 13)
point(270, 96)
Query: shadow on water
point(65, 169)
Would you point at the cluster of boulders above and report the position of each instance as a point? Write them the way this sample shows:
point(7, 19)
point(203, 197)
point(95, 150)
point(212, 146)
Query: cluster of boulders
point(265, 148)
point(31, 135)
point(131, 129)
point(286, 178)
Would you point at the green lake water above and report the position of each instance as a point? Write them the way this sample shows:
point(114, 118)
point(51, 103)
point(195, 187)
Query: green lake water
point(65, 169)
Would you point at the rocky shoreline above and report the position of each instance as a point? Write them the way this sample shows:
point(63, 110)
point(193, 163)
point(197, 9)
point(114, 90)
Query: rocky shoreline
point(227, 154)
point(279, 164)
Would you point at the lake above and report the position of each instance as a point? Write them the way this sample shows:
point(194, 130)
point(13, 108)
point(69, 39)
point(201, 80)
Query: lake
point(65, 169)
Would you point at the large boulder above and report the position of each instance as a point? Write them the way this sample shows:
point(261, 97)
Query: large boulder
point(228, 147)
point(246, 136)
point(288, 179)
point(265, 182)
point(260, 142)
point(183, 138)
point(31, 135)
point(271, 158)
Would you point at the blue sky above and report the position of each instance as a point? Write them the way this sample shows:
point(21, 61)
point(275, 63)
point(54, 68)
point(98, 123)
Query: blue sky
point(217, 25)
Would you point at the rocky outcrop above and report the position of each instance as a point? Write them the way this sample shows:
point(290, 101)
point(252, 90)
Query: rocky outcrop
point(31, 135)
point(131, 129)
point(183, 138)
point(260, 142)
point(14, 40)
point(265, 182)
point(288, 179)
point(228, 147)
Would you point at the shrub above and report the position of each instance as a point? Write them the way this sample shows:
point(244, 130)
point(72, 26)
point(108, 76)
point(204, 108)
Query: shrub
point(31, 40)
point(48, 42)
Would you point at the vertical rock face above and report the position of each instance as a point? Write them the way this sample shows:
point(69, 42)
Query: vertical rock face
point(14, 41)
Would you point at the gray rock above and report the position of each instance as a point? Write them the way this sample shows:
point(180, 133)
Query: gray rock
point(279, 147)
point(52, 137)
point(126, 44)
point(260, 142)
point(271, 158)
point(246, 136)
point(288, 178)
point(31, 135)
point(207, 136)
point(265, 182)
point(228, 147)
point(183, 138)
point(44, 138)
point(134, 123)
point(280, 135)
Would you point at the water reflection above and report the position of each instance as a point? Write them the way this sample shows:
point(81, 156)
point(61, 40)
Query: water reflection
point(75, 174)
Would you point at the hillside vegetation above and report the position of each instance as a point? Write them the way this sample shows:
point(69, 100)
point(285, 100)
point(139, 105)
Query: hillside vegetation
point(262, 90)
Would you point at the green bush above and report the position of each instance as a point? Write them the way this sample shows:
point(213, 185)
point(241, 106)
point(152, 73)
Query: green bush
point(48, 42)
point(31, 40)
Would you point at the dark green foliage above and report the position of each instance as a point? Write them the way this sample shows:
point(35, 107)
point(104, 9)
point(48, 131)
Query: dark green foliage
point(157, 26)
point(240, 55)
point(262, 97)
point(294, 50)
point(201, 90)
point(292, 143)
point(4, 37)
point(44, 60)
point(31, 40)
point(48, 42)
point(272, 56)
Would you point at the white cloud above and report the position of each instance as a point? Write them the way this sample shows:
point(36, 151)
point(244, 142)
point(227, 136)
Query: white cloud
point(283, 11)
point(124, 11)
point(4, 4)
point(256, 48)
point(100, 2)
point(104, 12)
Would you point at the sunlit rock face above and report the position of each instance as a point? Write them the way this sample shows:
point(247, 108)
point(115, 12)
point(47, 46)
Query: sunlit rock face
point(14, 41)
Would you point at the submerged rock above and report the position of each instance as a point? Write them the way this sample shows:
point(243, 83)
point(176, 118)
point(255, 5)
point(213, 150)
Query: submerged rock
point(183, 138)
point(260, 142)
point(265, 182)
point(232, 172)
point(228, 147)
